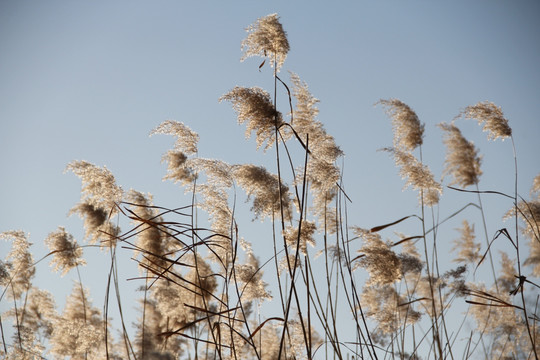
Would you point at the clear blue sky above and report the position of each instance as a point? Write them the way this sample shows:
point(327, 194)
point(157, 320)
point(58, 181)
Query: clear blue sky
point(88, 80)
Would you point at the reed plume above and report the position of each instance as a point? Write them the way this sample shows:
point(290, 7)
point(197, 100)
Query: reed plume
point(19, 263)
point(418, 176)
point(99, 196)
point(67, 254)
point(255, 108)
point(491, 117)
point(462, 160)
point(469, 249)
point(407, 129)
point(266, 38)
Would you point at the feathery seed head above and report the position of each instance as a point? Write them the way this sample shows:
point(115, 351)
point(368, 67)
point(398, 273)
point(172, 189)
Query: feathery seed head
point(383, 265)
point(432, 305)
point(462, 159)
point(66, 253)
point(306, 110)
point(323, 147)
point(418, 175)
point(254, 106)
point(529, 212)
point(178, 169)
point(5, 269)
point(383, 305)
point(408, 131)
point(218, 173)
point(177, 301)
point(469, 249)
point(410, 264)
point(20, 261)
point(216, 203)
point(533, 258)
point(456, 273)
point(411, 261)
point(99, 196)
point(535, 189)
point(501, 322)
point(336, 254)
point(306, 236)
point(286, 264)
point(96, 224)
point(266, 38)
point(265, 189)
point(186, 139)
point(93, 216)
point(40, 312)
point(491, 116)
point(29, 346)
point(98, 185)
point(148, 338)
point(151, 241)
point(250, 274)
point(79, 330)
point(506, 278)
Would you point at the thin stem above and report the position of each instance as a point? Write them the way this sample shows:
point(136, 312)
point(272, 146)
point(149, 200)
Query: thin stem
point(435, 327)
point(486, 237)
point(525, 315)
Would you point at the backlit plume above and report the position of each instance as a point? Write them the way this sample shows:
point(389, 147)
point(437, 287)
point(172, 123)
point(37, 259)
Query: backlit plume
point(254, 107)
point(408, 131)
point(322, 172)
point(99, 187)
point(178, 169)
point(418, 176)
point(491, 116)
point(20, 263)
point(66, 253)
point(186, 139)
point(529, 212)
point(78, 331)
point(382, 264)
point(99, 196)
point(264, 188)
point(266, 38)
point(306, 236)
point(469, 249)
point(152, 242)
point(250, 275)
point(462, 159)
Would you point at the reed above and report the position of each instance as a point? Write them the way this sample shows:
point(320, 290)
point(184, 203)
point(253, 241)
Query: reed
point(328, 289)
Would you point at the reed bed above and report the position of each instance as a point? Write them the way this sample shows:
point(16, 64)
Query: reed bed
point(326, 288)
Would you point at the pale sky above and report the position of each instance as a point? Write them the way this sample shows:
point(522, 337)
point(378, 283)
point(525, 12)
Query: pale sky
point(83, 80)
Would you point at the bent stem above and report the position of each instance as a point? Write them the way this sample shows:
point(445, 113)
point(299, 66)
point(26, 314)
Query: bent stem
point(486, 237)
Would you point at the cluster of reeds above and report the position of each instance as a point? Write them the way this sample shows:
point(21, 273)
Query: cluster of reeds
point(328, 289)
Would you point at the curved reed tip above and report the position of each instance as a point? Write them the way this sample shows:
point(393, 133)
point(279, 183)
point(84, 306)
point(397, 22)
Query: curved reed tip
point(408, 131)
point(266, 38)
point(491, 116)
point(462, 160)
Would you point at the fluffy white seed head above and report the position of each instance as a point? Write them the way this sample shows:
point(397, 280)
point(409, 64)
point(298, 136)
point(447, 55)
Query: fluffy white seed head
point(67, 254)
point(491, 117)
point(408, 131)
point(462, 160)
point(266, 38)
